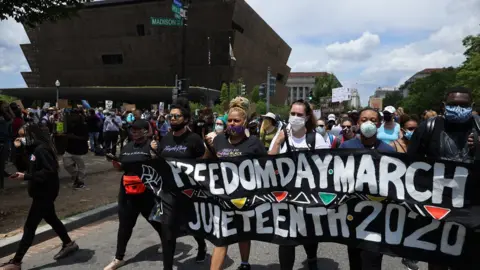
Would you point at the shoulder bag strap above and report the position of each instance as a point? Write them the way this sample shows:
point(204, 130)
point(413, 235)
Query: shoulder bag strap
point(289, 147)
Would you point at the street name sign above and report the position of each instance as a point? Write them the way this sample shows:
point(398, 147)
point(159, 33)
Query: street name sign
point(166, 21)
point(177, 3)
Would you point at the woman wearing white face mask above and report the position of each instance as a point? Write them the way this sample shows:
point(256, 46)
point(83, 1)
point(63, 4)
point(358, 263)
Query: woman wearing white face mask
point(299, 135)
point(369, 121)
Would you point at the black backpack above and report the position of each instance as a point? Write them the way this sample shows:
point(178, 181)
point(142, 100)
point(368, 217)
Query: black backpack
point(311, 137)
point(430, 128)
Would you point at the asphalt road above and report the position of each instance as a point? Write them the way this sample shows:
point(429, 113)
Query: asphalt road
point(98, 241)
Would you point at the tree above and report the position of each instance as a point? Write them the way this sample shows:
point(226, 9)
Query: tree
point(323, 87)
point(472, 45)
point(393, 99)
point(469, 75)
point(33, 12)
point(224, 94)
point(255, 94)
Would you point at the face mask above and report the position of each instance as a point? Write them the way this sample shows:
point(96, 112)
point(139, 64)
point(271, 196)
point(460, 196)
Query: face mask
point(178, 127)
point(297, 122)
point(368, 129)
point(321, 130)
point(235, 130)
point(408, 134)
point(219, 128)
point(387, 117)
point(457, 114)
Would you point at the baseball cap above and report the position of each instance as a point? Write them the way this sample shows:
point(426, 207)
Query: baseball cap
point(331, 117)
point(140, 124)
point(270, 115)
point(389, 109)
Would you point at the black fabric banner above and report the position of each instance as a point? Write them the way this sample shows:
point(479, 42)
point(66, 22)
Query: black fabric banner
point(426, 210)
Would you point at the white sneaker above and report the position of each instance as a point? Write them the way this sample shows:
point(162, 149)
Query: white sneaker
point(115, 264)
point(160, 249)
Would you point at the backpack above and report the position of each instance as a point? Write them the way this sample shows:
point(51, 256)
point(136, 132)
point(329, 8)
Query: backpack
point(310, 140)
point(430, 128)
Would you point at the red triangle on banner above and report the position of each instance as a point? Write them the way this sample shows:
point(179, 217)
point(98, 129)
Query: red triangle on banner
point(188, 192)
point(436, 212)
point(280, 195)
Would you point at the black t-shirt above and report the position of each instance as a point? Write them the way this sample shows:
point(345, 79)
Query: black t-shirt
point(77, 146)
point(187, 145)
point(249, 146)
point(93, 123)
point(130, 155)
point(199, 127)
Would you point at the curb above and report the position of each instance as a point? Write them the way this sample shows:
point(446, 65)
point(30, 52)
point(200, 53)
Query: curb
point(9, 245)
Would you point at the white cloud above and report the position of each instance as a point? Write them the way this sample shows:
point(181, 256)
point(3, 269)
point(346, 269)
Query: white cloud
point(358, 49)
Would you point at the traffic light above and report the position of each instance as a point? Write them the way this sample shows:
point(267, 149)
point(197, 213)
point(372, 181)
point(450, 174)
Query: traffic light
point(182, 86)
point(262, 91)
point(273, 85)
point(243, 91)
point(174, 94)
point(310, 95)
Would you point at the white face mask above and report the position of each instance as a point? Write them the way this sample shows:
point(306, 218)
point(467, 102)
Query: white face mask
point(219, 128)
point(368, 129)
point(296, 122)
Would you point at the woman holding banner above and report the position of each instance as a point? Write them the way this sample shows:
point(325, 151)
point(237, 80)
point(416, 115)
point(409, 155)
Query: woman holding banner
point(369, 122)
point(298, 135)
point(179, 143)
point(233, 144)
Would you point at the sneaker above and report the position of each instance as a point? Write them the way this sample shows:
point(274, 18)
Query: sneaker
point(201, 255)
point(244, 267)
point(66, 250)
point(78, 185)
point(10, 265)
point(160, 249)
point(410, 264)
point(115, 264)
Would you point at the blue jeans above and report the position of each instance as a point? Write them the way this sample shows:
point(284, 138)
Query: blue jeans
point(93, 137)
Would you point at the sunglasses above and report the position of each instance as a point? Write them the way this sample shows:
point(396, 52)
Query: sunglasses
point(176, 116)
point(321, 125)
point(347, 127)
point(410, 128)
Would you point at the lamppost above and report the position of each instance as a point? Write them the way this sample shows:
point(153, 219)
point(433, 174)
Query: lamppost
point(57, 84)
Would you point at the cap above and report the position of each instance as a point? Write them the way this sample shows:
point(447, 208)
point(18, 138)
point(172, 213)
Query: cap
point(140, 124)
point(270, 115)
point(331, 117)
point(389, 109)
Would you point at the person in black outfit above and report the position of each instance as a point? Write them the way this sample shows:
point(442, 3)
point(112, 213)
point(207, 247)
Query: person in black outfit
point(180, 143)
point(133, 198)
point(43, 188)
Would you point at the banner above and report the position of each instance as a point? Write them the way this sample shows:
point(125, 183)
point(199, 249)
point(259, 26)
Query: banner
point(426, 210)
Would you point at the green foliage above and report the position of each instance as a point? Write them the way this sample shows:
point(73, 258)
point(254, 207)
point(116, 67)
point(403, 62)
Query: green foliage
point(196, 106)
point(218, 108)
point(469, 75)
point(7, 99)
point(282, 110)
point(261, 108)
point(255, 94)
point(33, 12)
point(472, 45)
point(323, 87)
point(393, 99)
point(224, 94)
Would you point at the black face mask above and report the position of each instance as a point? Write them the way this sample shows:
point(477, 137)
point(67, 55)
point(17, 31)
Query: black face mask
point(178, 127)
point(387, 117)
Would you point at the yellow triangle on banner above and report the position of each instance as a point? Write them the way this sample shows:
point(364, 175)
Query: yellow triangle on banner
point(376, 199)
point(239, 203)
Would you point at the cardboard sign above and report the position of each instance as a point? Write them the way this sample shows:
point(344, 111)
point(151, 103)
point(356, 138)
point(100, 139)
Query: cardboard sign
point(62, 103)
point(317, 113)
point(108, 104)
point(129, 107)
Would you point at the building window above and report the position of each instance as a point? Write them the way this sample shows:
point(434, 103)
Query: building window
point(112, 59)
point(141, 30)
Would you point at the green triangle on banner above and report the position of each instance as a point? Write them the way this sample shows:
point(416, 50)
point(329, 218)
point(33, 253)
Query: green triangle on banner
point(327, 198)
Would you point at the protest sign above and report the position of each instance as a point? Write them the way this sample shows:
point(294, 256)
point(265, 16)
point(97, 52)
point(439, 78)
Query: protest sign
point(390, 203)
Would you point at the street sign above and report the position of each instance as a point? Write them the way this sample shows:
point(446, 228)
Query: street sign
point(183, 13)
point(176, 9)
point(177, 3)
point(166, 21)
point(177, 16)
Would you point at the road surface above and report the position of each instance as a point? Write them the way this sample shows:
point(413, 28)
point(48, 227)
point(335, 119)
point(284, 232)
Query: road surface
point(98, 241)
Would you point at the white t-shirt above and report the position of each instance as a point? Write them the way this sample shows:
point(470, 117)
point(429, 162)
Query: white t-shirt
point(300, 143)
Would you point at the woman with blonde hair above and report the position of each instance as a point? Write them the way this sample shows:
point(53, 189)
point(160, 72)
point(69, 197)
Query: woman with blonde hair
point(233, 144)
point(429, 114)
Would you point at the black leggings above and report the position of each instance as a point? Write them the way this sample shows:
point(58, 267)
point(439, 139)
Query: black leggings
point(169, 242)
point(286, 255)
point(364, 260)
point(129, 207)
point(40, 209)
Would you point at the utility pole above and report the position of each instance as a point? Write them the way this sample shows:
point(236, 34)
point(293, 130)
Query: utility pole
point(267, 91)
point(184, 40)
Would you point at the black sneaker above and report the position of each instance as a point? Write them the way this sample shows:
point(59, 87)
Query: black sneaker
point(66, 251)
point(410, 264)
point(78, 185)
point(201, 255)
point(244, 267)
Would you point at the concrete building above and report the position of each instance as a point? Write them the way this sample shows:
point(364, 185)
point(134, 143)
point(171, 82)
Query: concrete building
point(354, 102)
point(299, 84)
point(381, 92)
point(115, 43)
point(405, 88)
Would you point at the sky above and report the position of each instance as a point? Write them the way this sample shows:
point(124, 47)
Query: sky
point(365, 43)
